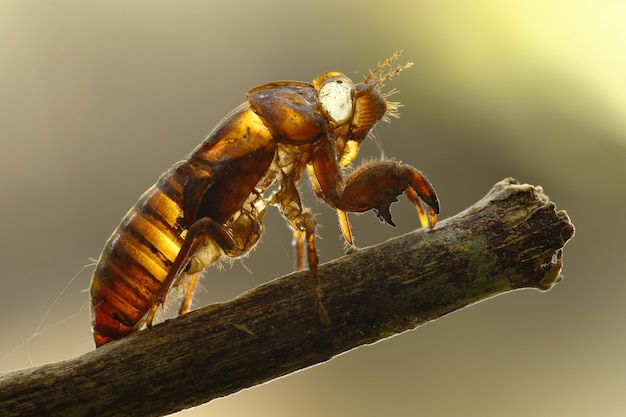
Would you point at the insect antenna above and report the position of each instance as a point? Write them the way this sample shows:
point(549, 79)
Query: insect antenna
point(378, 83)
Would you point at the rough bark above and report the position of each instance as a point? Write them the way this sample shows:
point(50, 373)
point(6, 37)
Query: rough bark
point(513, 238)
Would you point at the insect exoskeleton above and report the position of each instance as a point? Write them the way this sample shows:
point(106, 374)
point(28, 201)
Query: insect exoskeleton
point(211, 205)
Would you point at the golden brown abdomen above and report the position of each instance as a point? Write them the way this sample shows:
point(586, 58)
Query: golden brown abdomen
point(136, 259)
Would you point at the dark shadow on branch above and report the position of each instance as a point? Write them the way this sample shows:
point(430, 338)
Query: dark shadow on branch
point(513, 238)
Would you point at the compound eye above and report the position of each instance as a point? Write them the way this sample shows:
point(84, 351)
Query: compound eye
point(336, 99)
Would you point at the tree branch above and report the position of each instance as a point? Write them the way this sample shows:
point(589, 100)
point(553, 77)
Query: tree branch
point(512, 238)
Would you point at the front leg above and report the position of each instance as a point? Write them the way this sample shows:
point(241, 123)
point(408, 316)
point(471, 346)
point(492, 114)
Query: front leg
point(372, 186)
point(376, 186)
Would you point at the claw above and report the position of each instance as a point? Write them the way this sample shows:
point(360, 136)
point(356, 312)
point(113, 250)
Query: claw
point(421, 211)
point(426, 219)
point(384, 214)
point(377, 185)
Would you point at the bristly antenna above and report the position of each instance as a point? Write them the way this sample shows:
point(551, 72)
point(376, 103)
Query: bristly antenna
point(392, 106)
point(392, 72)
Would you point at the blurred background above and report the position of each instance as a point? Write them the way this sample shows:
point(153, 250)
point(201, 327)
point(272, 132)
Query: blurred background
point(97, 99)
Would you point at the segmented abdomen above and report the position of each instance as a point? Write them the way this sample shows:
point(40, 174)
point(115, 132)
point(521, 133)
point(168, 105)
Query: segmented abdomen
point(136, 259)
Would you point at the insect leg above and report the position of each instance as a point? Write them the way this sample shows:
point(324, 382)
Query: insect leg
point(342, 216)
point(372, 186)
point(287, 198)
point(308, 223)
point(377, 185)
point(299, 238)
point(185, 305)
point(202, 233)
point(344, 224)
point(425, 218)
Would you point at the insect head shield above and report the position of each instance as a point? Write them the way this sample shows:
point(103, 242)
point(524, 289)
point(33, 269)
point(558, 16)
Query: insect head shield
point(335, 93)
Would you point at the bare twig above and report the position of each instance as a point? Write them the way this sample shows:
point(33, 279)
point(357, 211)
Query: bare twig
point(512, 238)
